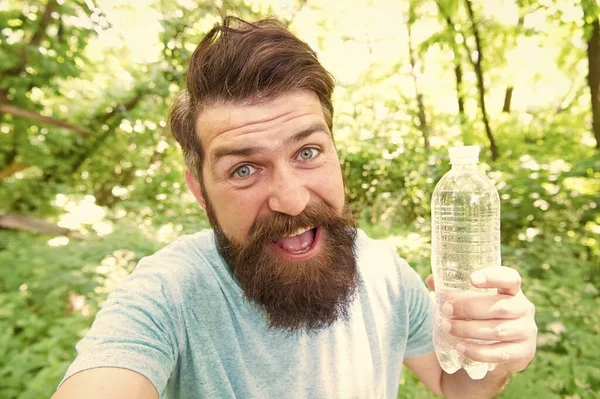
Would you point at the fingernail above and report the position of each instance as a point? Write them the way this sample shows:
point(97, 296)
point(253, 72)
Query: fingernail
point(446, 326)
point(478, 278)
point(448, 309)
point(460, 347)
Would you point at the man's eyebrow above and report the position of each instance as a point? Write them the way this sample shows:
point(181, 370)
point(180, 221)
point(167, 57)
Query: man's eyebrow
point(249, 151)
point(304, 133)
point(237, 152)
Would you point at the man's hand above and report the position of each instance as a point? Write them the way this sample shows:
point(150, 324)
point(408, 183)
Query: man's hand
point(507, 317)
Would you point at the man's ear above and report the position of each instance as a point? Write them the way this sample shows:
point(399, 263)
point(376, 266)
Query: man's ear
point(194, 186)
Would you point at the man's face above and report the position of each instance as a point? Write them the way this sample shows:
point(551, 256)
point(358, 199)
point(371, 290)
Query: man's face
point(272, 188)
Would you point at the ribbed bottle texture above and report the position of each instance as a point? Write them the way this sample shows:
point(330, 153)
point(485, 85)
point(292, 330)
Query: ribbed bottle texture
point(465, 216)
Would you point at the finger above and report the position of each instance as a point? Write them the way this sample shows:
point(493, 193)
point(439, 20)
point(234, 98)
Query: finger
point(506, 279)
point(430, 282)
point(483, 306)
point(520, 354)
point(491, 330)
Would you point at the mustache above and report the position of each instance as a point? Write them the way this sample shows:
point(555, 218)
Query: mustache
point(278, 225)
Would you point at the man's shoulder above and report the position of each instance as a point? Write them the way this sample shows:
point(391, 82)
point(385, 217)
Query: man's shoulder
point(374, 248)
point(379, 258)
point(199, 243)
point(189, 256)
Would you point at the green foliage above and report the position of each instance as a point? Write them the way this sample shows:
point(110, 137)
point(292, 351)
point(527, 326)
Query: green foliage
point(48, 301)
point(128, 170)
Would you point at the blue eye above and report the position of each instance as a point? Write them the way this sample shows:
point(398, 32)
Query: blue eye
point(244, 171)
point(308, 153)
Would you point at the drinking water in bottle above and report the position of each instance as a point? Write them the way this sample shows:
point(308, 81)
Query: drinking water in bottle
point(465, 218)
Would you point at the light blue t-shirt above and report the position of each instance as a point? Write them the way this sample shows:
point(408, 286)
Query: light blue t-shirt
point(181, 320)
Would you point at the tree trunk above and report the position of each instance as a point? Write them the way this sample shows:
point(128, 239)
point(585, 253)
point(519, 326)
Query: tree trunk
point(593, 53)
point(415, 73)
point(508, 94)
point(458, 71)
point(507, 99)
point(480, 82)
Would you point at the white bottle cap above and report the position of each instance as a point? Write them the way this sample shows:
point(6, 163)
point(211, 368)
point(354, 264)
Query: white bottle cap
point(464, 154)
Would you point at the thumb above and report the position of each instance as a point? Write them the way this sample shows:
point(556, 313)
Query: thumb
point(430, 282)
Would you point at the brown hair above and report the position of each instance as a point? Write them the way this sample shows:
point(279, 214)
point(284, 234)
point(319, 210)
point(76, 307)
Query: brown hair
point(244, 63)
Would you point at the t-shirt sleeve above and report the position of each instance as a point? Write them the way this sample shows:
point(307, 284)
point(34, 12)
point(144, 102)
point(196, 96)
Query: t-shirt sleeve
point(136, 329)
point(420, 313)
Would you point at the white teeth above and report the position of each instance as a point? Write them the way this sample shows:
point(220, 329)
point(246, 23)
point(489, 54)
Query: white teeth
point(298, 232)
point(301, 251)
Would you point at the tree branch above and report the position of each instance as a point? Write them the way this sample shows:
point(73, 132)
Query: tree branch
point(458, 71)
point(41, 31)
point(24, 113)
point(573, 93)
point(11, 169)
point(95, 144)
point(35, 40)
point(17, 222)
point(480, 82)
point(415, 74)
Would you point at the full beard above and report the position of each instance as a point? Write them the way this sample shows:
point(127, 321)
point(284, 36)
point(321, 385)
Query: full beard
point(296, 296)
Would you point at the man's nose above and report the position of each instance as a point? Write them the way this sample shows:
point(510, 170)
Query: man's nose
point(288, 193)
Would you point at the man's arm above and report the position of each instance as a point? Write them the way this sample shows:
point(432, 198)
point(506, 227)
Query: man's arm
point(106, 383)
point(132, 347)
point(428, 370)
point(457, 385)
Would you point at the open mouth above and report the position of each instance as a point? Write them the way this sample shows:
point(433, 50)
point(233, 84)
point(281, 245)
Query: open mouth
point(301, 245)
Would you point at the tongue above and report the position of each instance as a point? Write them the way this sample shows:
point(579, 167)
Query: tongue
point(297, 243)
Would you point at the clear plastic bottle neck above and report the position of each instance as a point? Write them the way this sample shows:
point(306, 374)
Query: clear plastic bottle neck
point(464, 166)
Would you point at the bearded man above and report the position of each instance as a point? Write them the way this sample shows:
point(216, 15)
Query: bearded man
point(284, 296)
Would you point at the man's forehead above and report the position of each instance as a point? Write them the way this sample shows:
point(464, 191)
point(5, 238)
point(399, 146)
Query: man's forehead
point(223, 117)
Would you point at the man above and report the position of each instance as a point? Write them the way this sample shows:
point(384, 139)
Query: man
point(284, 297)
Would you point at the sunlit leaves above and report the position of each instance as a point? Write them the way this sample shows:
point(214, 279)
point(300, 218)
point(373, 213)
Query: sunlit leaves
point(131, 168)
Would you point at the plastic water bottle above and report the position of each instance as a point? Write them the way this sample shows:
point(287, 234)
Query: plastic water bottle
point(465, 219)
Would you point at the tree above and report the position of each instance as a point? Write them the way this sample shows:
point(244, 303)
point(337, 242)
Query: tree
point(415, 73)
point(26, 67)
point(477, 65)
point(444, 8)
point(61, 134)
point(592, 31)
point(508, 94)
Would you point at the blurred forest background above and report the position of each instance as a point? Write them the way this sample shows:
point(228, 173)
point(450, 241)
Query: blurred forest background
point(91, 180)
